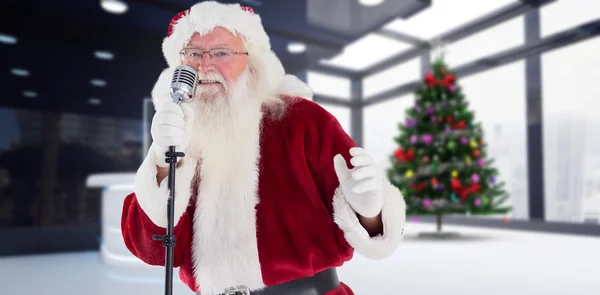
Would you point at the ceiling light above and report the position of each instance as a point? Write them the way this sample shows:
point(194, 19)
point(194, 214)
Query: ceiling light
point(20, 72)
point(95, 101)
point(370, 2)
point(114, 6)
point(98, 82)
point(7, 39)
point(105, 55)
point(296, 47)
point(29, 93)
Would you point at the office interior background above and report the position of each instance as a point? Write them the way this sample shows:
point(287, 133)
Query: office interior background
point(75, 114)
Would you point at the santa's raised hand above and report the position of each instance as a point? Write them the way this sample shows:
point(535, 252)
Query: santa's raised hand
point(362, 185)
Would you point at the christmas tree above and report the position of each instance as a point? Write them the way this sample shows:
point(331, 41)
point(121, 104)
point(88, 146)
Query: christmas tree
point(441, 165)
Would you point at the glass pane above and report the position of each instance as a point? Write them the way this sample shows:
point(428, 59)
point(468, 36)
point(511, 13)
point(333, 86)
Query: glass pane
point(392, 77)
point(45, 159)
point(328, 85)
point(498, 38)
point(565, 14)
point(381, 126)
point(498, 99)
point(444, 16)
point(367, 51)
point(571, 128)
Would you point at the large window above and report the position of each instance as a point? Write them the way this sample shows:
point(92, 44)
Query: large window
point(395, 76)
point(45, 159)
point(342, 114)
point(564, 14)
point(328, 85)
point(571, 127)
point(498, 98)
point(498, 38)
point(381, 126)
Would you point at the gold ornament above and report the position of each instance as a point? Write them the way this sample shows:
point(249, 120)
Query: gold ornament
point(454, 173)
point(473, 143)
point(468, 160)
point(409, 174)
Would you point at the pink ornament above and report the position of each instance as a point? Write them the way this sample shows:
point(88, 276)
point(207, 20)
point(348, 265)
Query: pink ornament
point(427, 203)
point(474, 178)
point(452, 88)
point(427, 139)
point(464, 140)
point(414, 139)
point(481, 163)
point(415, 219)
point(478, 202)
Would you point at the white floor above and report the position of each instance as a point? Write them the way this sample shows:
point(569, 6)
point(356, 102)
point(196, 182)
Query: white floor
point(490, 262)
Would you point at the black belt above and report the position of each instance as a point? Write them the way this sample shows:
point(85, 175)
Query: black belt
point(318, 284)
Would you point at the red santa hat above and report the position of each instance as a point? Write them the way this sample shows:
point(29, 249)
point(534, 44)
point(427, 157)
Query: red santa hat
point(205, 16)
point(241, 21)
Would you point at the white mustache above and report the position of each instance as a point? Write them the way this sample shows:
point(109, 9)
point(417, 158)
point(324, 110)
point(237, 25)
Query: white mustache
point(211, 76)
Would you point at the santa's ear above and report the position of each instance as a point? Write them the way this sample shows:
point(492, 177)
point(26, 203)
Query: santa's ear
point(160, 91)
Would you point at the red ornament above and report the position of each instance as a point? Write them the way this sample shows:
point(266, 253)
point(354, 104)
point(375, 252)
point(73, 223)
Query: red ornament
point(476, 154)
point(434, 182)
point(430, 80)
point(418, 187)
point(455, 184)
point(449, 119)
point(460, 125)
point(448, 80)
point(400, 155)
point(463, 192)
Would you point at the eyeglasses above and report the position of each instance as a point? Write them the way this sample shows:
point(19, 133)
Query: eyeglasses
point(217, 55)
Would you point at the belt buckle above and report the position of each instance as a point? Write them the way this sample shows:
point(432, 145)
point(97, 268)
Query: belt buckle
point(239, 290)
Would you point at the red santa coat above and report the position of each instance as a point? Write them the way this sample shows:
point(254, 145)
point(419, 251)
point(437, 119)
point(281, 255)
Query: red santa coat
point(279, 216)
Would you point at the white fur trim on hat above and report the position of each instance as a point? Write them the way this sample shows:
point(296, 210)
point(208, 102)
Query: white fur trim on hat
point(204, 17)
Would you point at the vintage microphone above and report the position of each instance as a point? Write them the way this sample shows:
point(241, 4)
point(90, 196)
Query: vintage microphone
point(183, 87)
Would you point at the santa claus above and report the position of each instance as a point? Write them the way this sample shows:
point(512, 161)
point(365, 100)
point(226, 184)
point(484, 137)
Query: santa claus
point(272, 195)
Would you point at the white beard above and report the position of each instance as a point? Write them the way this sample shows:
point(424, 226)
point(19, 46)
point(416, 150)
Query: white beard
point(225, 142)
point(221, 118)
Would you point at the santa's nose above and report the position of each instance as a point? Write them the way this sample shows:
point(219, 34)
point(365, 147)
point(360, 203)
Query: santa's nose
point(205, 64)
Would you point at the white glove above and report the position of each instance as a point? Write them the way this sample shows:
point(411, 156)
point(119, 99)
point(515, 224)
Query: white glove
point(171, 127)
point(362, 185)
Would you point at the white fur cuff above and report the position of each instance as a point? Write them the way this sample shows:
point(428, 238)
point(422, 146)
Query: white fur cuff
point(153, 197)
point(393, 215)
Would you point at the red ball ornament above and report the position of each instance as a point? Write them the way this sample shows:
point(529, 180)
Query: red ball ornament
point(476, 154)
point(434, 182)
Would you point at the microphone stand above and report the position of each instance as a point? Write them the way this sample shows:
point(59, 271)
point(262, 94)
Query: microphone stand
point(169, 238)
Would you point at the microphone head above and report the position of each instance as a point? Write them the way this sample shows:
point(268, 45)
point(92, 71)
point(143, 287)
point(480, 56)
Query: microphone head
point(183, 85)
